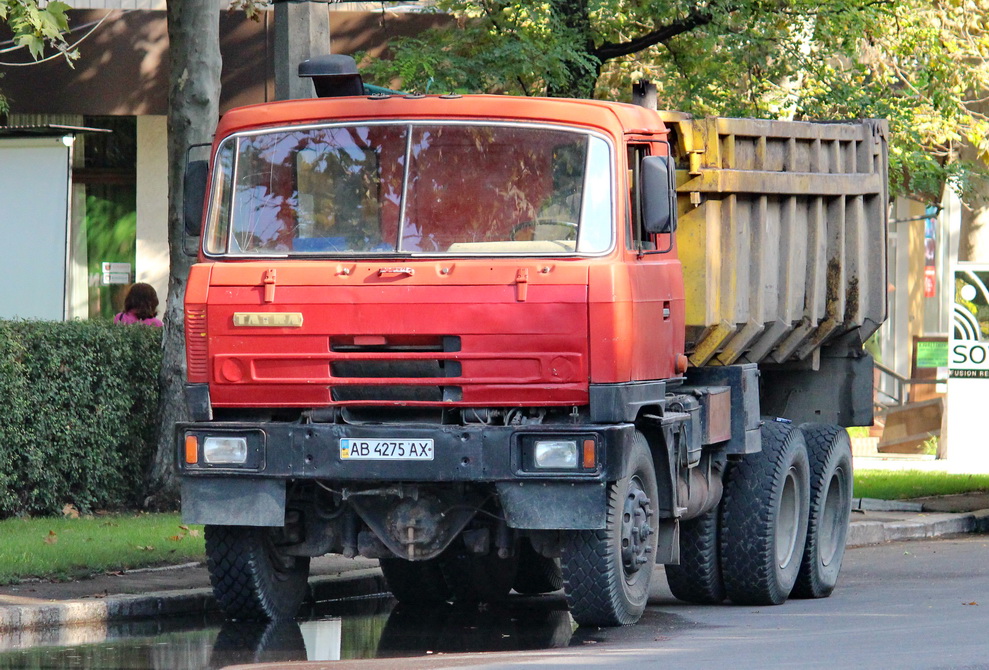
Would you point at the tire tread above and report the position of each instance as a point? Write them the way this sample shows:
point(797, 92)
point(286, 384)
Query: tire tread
point(697, 579)
point(238, 571)
point(826, 444)
point(752, 484)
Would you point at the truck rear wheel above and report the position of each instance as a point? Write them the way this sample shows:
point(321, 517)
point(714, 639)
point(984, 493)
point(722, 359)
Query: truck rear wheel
point(830, 452)
point(697, 579)
point(536, 573)
point(473, 578)
point(252, 579)
point(607, 572)
point(764, 518)
point(416, 583)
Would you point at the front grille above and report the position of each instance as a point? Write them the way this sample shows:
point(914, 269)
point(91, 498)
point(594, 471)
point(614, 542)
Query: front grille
point(398, 358)
point(395, 343)
point(395, 369)
point(397, 393)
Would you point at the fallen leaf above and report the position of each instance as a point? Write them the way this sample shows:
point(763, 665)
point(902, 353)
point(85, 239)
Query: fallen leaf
point(183, 527)
point(193, 533)
point(971, 603)
point(52, 537)
point(69, 511)
point(177, 538)
point(145, 548)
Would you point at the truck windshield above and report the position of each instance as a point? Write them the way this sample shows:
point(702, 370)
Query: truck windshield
point(428, 189)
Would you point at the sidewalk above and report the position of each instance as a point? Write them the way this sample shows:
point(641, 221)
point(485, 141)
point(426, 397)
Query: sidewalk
point(185, 590)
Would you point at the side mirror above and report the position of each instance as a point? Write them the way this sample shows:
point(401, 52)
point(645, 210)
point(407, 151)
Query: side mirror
point(658, 194)
point(194, 195)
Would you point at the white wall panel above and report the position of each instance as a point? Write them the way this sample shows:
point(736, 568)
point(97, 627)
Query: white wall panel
point(34, 214)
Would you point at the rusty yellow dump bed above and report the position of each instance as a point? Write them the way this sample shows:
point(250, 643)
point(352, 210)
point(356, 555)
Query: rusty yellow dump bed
point(782, 234)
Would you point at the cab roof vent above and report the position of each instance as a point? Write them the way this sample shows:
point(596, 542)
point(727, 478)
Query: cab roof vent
point(333, 76)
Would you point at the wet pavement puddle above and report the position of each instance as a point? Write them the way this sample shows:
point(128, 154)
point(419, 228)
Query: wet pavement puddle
point(364, 627)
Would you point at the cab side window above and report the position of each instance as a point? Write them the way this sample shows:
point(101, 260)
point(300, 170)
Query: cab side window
point(636, 238)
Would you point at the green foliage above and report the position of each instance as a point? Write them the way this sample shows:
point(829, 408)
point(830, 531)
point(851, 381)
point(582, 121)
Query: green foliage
point(80, 410)
point(913, 62)
point(36, 25)
point(495, 47)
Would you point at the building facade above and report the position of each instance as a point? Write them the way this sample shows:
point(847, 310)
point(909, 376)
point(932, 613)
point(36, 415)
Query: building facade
point(117, 205)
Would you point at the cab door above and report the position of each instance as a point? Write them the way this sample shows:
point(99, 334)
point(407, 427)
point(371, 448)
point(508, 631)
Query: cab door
point(656, 279)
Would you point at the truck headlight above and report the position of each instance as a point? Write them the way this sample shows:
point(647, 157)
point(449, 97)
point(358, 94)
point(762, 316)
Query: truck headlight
point(225, 450)
point(556, 454)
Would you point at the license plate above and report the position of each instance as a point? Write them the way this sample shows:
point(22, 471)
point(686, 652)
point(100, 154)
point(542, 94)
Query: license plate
point(385, 450)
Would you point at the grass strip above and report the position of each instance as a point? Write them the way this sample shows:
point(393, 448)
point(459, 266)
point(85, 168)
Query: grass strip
point(906, 484)
point(67, 548)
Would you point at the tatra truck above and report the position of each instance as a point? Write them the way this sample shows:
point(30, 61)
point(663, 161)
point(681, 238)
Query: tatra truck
point(519, 344)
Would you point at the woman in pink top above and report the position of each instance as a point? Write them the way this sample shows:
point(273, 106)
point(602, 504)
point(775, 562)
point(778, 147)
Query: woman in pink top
point(140, 306)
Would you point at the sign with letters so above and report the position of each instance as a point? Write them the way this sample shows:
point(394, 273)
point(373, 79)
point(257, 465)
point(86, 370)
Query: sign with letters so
point(968, 350)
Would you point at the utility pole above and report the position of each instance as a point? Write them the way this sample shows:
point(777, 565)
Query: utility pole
point(302, 31)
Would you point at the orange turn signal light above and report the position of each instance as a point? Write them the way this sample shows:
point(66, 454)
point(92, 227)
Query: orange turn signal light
point(588, 461)
point(191, 449)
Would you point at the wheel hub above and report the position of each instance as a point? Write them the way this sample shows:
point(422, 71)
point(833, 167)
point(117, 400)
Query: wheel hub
point(636, 529)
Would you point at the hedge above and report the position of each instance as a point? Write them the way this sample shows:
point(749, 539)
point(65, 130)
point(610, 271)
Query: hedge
point(77, 426)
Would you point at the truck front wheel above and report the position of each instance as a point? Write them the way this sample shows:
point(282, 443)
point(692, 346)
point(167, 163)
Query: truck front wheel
point(252, 579)
point(830, 452)
point(764, 518)
point(607, 572)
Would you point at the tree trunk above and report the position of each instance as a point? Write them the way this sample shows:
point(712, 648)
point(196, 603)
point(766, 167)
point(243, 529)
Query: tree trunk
point(193, 109)
point(973, 244)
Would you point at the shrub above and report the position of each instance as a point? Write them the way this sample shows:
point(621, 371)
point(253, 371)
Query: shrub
point(79, 416)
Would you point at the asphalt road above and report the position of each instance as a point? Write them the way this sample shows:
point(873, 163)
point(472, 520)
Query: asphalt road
point(922, 604)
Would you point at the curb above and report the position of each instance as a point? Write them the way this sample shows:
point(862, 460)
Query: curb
point(351, 584)
point(876, 505)
point(865, 533)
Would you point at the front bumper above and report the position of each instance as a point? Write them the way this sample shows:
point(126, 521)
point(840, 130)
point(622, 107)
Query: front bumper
point(461, 453)
point(254, 494)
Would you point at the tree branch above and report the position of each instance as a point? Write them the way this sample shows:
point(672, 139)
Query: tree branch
point(696, 18)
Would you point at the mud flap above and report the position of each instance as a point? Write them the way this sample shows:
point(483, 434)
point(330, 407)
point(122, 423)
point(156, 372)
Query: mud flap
point(228, 501)
point(537, 505)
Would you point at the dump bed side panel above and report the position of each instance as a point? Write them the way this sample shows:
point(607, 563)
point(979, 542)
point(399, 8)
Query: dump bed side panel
point(782, 235)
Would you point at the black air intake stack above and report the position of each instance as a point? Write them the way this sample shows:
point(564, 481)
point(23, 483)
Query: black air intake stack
point(333, 76)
